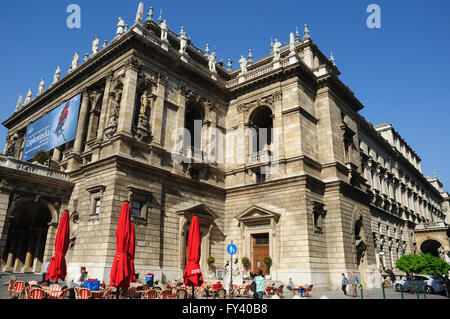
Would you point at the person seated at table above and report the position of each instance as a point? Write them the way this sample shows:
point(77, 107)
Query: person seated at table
point(290, 284)
point(77, 282)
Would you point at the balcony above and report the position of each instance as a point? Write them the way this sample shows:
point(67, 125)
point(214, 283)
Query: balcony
point(40, 170)
point(260, 157)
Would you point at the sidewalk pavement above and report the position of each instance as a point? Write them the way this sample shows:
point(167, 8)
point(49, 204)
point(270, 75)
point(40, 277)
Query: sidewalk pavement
point(336, 294)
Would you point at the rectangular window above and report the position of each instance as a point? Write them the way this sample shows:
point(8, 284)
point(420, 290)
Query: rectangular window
point(136, 208)
point(98, 202)
point(260, 177)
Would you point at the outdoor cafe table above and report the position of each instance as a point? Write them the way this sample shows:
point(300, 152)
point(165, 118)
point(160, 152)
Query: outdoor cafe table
point(97, 294)
point(300, 289)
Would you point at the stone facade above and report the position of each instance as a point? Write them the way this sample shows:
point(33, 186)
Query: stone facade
point(278, 150)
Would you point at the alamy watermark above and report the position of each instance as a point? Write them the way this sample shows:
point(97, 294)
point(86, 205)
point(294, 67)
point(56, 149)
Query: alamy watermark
point(374, 19)
point(74, 19)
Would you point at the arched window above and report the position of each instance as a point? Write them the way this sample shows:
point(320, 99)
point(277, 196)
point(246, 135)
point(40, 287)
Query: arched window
point(193, 124)
point(261, 121)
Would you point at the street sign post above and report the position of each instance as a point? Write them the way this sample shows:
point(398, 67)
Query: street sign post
point(232, 250)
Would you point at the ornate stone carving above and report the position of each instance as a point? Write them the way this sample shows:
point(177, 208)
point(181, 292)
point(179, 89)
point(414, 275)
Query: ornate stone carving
point(183, 89)
point(115, 97)
point(162, 79)
point(133, 63)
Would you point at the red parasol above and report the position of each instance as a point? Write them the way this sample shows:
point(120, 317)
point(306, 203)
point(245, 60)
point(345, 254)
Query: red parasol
point(132, 252)
point(122, 271)
point(58, 267)
point(193, 274)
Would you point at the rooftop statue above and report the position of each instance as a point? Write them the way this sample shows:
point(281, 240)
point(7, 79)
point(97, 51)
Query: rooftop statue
point(164, 30)
point(120, 27)
point(57, 74)
point(243, 63)
point(28, 98)
point(212, 62)
point(277, 50)
point(75, 60)
point(95, 44)
point(183, 41)
point(41, 86)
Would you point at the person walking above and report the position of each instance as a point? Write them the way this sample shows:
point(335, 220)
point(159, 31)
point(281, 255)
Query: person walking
point(354, 281)
point(344, 284)
point(44, 273)
point(259, 280)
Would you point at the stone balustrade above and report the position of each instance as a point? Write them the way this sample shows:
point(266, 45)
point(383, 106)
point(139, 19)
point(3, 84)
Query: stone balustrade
point(15, 164)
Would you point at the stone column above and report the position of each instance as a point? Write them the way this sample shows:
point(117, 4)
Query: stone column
point(50, 240)
point(30, 252)
point(127, 104)
point(277, 147)
point(157, 118)
point(56, 155)
point(4, 225)
point(17, 254)
point(37, 249)
point(13, 247)
point(82, 118)
point(181, 113)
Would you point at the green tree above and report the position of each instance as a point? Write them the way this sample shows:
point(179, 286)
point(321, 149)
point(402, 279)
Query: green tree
point(41, 157)
point(246, 262)
point(424, 264)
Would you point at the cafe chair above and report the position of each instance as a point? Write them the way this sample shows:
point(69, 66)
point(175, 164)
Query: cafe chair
point(10, 288)
point(220, 294)
point(83, 293)
point(19, 289)
point(165, 294)
point(307, 292)
point(36, 293)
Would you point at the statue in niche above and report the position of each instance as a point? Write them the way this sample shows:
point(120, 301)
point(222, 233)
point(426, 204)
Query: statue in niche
point(144, 104)
point(361, 246)
point(114, 114)
point(143, 126)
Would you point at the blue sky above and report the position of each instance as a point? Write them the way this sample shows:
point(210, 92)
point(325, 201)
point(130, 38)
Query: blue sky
point(399, 72)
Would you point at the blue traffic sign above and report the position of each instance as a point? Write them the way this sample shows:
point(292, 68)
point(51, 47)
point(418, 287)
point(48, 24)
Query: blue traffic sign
point(232, 249)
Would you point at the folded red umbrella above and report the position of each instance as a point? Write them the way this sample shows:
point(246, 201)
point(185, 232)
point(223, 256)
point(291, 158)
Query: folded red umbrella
point(132, 252)
point(122, 270)
point(193, 274)
point(58, 267)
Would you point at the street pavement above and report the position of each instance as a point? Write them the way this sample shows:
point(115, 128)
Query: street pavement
point(336, 294)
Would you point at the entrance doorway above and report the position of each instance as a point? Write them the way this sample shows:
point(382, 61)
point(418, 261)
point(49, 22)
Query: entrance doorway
point(27, 235)
point(261, 249)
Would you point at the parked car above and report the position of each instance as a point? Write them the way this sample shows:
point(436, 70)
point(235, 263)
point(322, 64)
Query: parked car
point(431, 284)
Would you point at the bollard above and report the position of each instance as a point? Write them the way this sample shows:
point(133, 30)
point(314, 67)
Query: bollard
point(362, 294)
point(384, 293)
point(424, 293)
point(416, 290)
point(401, 290)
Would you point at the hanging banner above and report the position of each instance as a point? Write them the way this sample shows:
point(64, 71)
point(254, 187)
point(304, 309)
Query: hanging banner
point(53, 129)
